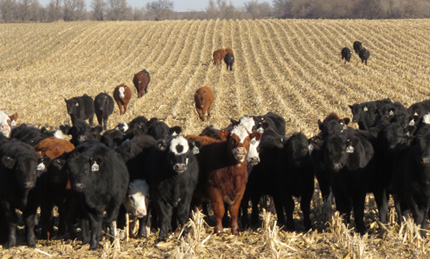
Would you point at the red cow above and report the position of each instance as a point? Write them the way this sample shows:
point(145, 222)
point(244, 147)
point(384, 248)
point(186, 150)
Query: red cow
point(218, 56)
point(223, 175)
point(6, 122)
point(204, 97)
point(122, 95)
point(54, 186)
point(141, 81)
point(228, 50)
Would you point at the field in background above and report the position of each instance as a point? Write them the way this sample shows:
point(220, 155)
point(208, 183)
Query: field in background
point(290, 67)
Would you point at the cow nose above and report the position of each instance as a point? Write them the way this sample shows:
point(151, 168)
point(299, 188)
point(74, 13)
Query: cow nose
point(28, 185)
point(81, 138)
point(79, 186)
point(254, 160)
point(336, 167)
point(180, 168)
point(140, 213)
point(425, 160)
point(241, 151)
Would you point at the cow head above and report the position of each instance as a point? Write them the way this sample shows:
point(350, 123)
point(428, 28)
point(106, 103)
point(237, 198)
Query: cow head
point(23, 167)
point(73, 106)
point(254, 148)
point(5, 124)
point(297, 147)
point(421, 145)
point(137, 201)
point(179, 152)
point(85, 167)
point(238, 142)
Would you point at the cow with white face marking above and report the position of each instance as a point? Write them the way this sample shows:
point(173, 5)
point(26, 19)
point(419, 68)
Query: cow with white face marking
point(137, 203)
point(122, 95)
point(172, 171)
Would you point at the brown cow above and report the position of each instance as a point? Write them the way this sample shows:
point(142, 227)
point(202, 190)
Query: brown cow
point(141, 81)
point(223, 175)
point(55, 187)
point(218, 56)
point(228, 50)
point(204, 97)
point(122, 95)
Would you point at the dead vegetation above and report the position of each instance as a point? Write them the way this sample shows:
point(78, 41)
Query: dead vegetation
point(290, 67)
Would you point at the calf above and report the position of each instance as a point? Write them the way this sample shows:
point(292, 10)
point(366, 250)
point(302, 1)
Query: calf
point(204, 98)
point(81, 131)
point(80, 108)
point(18, 176)
point(357, 46)
point(141, 81)
point(364, 55)
point(218, 56)
point(172, 172)
point(229, 60)
point(137, 204)
point(122, 96)
point(100, 177)
point(103, 107)
point(346, 54)
point(223, 175)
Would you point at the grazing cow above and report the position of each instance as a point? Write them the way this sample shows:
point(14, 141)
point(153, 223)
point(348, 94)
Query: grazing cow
point(80, 108)
point(100, 177)
point(18, 176)
point(411, 179)
point(172, 171)
point(137, 204)
point(357, 46)
point(349, 158)
point(364, 55)
point(229, 60)
point(122, 95)
point(346, 54)
point(141, 81)
point(54, 186)
point(218, 56)
point(103, 107)
point(223, 175)
point(204, 98)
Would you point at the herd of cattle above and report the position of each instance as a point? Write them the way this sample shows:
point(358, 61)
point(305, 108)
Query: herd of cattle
point(151, 171)
point(363, 53)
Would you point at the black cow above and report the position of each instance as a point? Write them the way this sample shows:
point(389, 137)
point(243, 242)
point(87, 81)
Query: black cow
point(418, 110)
point(357, 46)
point(229, 60)
point(411, 179)
point(159, 129)
point(366, 113)
point(346, 54)
point(18, 176)
point(364, 55)
point(276, 122)
point(138, 126)
point(112, 138)
point(349, 158)
point(100, 177)
point(103, 107)
point(29, 134)
point(82, 131)
point(80, 108)
point(172, 172)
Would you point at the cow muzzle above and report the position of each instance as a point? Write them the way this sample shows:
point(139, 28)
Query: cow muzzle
point(425, 160)
point(180, 167)
point(140, 213)
point(28, 184)
point(79, 187)
point(240, 153)
point(253, 160)
point(336, 167)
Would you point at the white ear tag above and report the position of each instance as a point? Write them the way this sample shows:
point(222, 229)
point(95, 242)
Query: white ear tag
point(77, 104)
point(95, 167)
point(412, 123)
point(350, 149)
point(13, 123)
point(365, 109)
point(195, 150)
point(416, 114)
point(391, 113)
point(40, 167)
point(311, 147)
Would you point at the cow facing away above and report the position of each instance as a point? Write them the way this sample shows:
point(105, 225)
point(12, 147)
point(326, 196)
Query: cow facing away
point(204, 98)
point(103, 107)
point(229, 60)
point(80, 108)
point(218, 56)
point(141, 81)
point(346, 54)
point(122, 95)
point(364, 55)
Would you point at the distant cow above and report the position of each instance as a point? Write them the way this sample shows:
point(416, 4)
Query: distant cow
point(218, 56)
point(80, 108)
point(141, 81)
point(364, 55)
point(346, 54)
point(223, 175)
point(103, 107)
point(18, 176)
point(204, 98)
point(172, 170)
point(229, 60)
point(357, 46)
point(100, 177)
point(122, 95)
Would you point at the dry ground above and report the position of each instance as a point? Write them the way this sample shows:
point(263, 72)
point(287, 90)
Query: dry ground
point(290, 67)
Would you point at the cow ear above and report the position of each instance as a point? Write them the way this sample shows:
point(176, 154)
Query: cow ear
point(320, 124)
point(255, 134)
point(350, 106)
point(234, 122)
point(97, 130)
point(175, 129)
point(374, 131)
point(223, 134)
point(58, 163)
point(8, 162)
point(346, 120)
point(195, 146)
point(265, 125)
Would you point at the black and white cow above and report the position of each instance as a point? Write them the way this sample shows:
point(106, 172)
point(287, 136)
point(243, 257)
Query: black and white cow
point(103, 107)
point(172, 172)
point(80, 108)
point(99, 176)
point(137, 204)
point(18, 177)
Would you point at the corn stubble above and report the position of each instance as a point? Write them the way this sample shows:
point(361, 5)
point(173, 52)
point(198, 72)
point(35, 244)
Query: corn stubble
point(290, 67)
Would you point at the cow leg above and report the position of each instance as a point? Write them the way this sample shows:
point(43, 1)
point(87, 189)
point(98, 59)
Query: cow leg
point(62, 211)
point(183, 211)
point(358, 205)
point(201, 114)
point(30, 222)
point(289, 209)
point(165, 218)
point(279, 206)
point(91, 120)
point(46, 219)
point(105, 122)
point(11, 219)
point(382, 203)
point(305, 206)
point(219, 209)
point(96, 219)
point(234, 212)
point(124, 109)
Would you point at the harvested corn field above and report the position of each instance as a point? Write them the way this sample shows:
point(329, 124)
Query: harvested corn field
point(289, 67)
